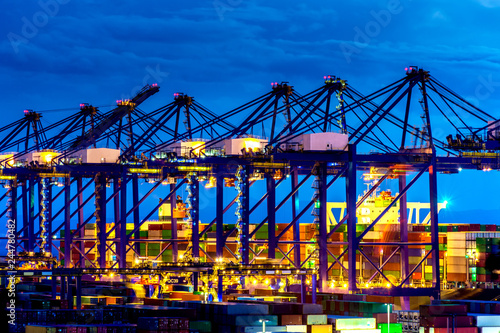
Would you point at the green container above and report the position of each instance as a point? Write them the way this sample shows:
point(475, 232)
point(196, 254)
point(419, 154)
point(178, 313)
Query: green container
point(428, 228)
point(482, 270)
point(342, 228)
point(480, 241)
point(443, 228)
point(396, 274)
point(377, 307)
point(261, 235)
point(166, 234)
point(443, 247)
point(202, 326)
point(143, 233)
point(153, 252)
point(390, 328)
point(428, 276)
point(62, 233)
point(483, 227)
point(361, 227)
point(167, 257)
point(153, 246)
point(498, 227)
point(428, 247)
point(455, 228)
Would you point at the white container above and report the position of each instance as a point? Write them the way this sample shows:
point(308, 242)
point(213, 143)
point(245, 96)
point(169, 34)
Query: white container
point(96, 155)
point(355, 324)
point(456, 235)
point(456, 261)
point(250, 145)
point(488, 321)
point(40, 157)
point(456, 252)
point(456, 244)
point(184, 148)
point(323, 141)
point(456, 268)
point(296, 328)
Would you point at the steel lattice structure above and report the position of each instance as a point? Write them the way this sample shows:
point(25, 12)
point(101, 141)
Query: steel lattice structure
point(379, 127)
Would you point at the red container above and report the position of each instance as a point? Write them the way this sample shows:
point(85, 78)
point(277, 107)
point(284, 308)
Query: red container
point(466, 330)
point(442, 310)
point(463, 228)
point(447, 321)
point(290, 319)
point(382, 318)
point(154, 227)
point(483, 278)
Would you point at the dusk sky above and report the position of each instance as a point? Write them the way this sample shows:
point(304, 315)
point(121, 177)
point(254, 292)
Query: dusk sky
point(57, 54)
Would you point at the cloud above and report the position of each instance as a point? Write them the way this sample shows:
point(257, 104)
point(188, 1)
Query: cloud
point(490, 3)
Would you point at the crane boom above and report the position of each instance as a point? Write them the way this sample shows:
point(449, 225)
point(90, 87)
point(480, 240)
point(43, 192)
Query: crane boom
point(118, 113)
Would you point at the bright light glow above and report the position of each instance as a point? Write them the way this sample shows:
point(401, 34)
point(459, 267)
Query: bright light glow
point(345, 285)
point(181, 256)
point(252, 143)
point(388, 285)
point(367, 285)
point(254, 281)
point(197, 146)
point(111, 274)
point(267, 282)
point(459, 169)
point(211, 182)
point(8, 157)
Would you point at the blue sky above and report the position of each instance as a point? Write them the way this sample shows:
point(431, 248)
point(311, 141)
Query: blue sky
point(57, 54)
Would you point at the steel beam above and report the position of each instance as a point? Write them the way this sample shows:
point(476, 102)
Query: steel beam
point(195, 214)
point(123, 242)
point(245, 244)
point(403, 229)
point(100, 194)
point(271, 216)
point(173, 222)
point(81, 219)
point(295, 209)
point(351, 219)
point(68, 239)
point(322, 238)
point(219, 215)
point(436, 281)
